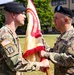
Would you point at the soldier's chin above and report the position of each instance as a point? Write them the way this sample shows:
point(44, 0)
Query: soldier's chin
point(21, 24)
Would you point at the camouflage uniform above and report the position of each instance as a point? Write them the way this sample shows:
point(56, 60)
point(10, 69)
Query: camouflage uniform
point(63, 54)
point(11, 61)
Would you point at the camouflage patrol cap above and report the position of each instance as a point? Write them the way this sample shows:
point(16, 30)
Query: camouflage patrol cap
point(64, 10)
point(15, 7)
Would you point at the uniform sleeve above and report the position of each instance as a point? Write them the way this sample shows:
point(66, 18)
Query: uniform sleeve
point(30, 66)
point(63, 59)
point(11, 56)
point(47, 47)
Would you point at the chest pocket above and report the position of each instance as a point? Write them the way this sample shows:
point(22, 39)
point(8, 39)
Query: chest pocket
point(61, 46)
point(65, 46)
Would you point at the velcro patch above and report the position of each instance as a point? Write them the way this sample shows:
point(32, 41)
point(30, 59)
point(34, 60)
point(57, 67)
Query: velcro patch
point(5, 42)
point(10, 50)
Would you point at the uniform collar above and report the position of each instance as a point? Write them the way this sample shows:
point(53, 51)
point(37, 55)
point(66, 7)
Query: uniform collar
point(68, 33)
point(11, 31)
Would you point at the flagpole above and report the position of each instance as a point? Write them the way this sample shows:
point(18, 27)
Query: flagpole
point(47, 72)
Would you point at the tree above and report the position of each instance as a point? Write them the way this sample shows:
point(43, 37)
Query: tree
point(1, 18)
point(44, 11)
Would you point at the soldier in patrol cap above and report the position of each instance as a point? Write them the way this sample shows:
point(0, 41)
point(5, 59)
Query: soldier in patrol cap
point(62, 54)
point(11, 60)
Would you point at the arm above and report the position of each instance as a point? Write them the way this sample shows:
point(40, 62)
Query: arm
point(47, 47)
point(62, 59)
point(11, 56)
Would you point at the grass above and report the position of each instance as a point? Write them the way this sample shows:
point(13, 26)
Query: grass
point(50, 39)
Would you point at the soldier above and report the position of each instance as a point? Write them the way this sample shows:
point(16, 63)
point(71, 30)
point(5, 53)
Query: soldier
point(62, 54)
point(11, 60)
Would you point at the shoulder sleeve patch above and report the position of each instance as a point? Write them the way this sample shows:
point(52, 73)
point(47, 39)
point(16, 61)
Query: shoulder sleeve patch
point(5, 42)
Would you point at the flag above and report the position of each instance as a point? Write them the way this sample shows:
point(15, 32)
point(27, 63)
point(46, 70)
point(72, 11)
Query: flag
point(33, 41)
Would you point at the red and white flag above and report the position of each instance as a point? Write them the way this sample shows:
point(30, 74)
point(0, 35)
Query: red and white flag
point(33, 42)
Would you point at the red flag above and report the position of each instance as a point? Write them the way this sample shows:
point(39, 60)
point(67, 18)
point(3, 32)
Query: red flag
point(33, 42)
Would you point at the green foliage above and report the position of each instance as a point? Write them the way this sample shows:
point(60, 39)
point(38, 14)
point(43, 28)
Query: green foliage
point(1, 18)
point(45, 12)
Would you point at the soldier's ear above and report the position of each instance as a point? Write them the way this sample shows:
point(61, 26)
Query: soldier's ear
point(13, 15)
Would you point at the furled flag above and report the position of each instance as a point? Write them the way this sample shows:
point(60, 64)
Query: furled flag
point(33, 42)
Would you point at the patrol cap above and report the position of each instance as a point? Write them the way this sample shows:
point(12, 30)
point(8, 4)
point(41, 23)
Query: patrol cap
point(64, 10)
point(15, 7)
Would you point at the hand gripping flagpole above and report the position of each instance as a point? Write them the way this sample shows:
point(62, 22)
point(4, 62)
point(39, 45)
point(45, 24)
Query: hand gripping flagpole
point(33, 40)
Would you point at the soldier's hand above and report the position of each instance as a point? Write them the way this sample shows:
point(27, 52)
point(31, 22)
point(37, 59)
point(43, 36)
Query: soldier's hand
point(42, 69)
point(42, 53)
point(44, 63)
